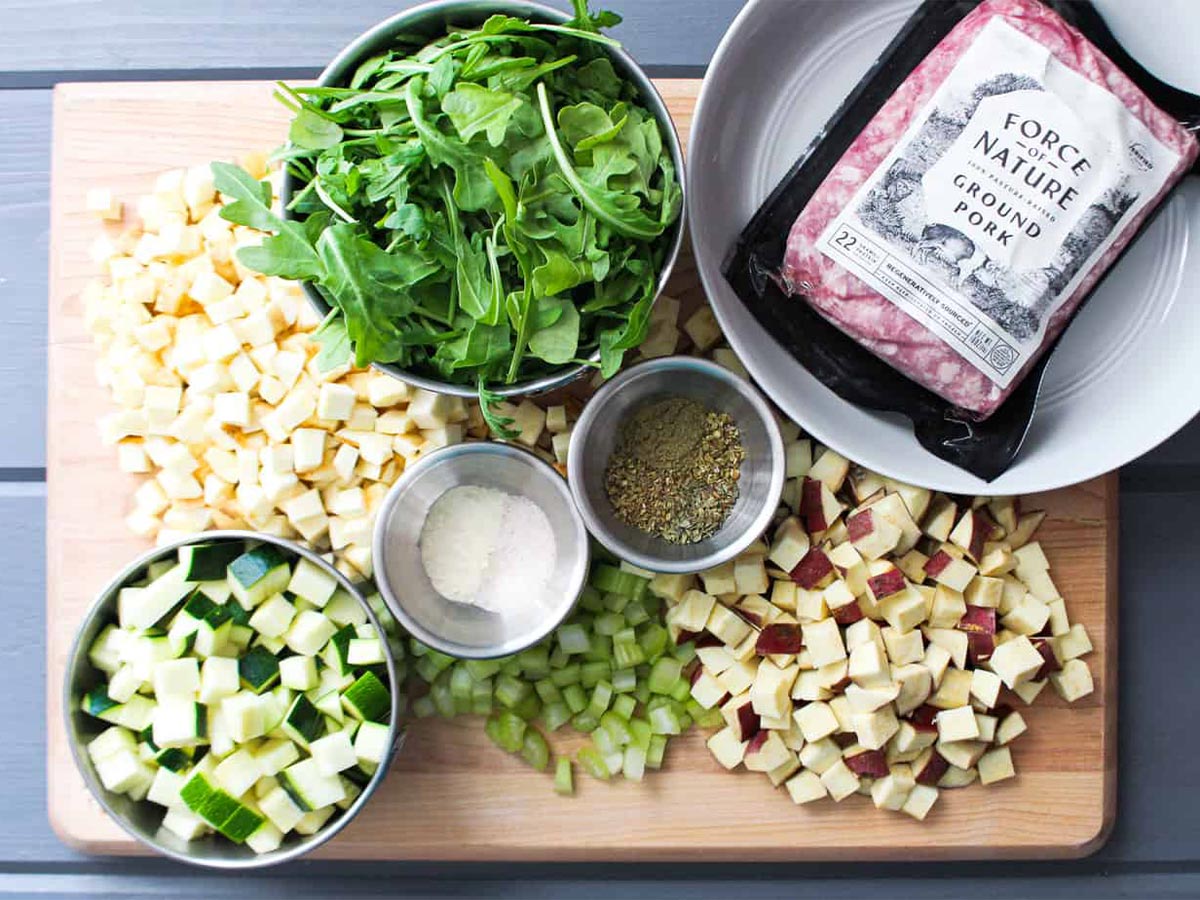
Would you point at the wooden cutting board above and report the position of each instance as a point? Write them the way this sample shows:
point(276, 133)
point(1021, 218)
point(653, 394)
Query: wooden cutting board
point(450, 793)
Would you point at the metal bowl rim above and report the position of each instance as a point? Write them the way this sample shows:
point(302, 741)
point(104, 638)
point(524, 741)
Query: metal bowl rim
point(353, 51)
point(78, 653)
point(651, 368)
point(448, 455)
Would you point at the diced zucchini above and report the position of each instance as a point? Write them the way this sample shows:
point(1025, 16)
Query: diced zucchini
point(275, 645)
point(220, 741)
point(312, 583)
point(370, 743)
point(258, 670)
point(274, 756)
point(330, 704)
point(352, 793)
point(240, 824)
point(309, 632)
point(344, 609)
point(265, 838)
point(125, 773)
point(219, 678)
point(368, 698)
point(244, 715)
point(178, 678)
point(184, 824)
point(281, 809)
point(142, 608)
point(312, 822)
point(134, 714)
point(237, 772)
point(124, 684)
point(180, 723)
point(105, 652)
point(110, 742)
point(159, 567)
point(96, 702)
point(333, 753)
point(176, 759)
point(212, 641)
point(217, 591)
point(257, 574)
point(336, 654)
point(310, 788)
point(240, 636)
point(303, 722)
point(365, 652)
point(164, 790)
point(273, 617)
point(208, 562)
point(298, 672)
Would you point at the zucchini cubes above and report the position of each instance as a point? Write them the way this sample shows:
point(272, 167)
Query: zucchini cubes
point(244, 693)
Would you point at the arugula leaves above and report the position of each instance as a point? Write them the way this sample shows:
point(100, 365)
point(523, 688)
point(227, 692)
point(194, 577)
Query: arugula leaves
point(486, 207)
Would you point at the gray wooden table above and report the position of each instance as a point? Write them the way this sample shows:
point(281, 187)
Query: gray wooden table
point(1155, 848)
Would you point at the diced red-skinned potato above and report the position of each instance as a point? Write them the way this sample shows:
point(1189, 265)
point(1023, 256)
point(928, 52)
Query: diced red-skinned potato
point(893, 508)
point(912, 564)
point(916, 685)
point(1006, 511)
point(779, 638)
point(831, 469)
point(944, 568)
point(929, 767)
point(886, 583)
point(1027, 526)
point(766, 751)
point(980, 647)
point(864, 483)
point(1072, 644)
point(814, 570)
point(915, 498)
point(1074, 681)
point(863, 762)
point(949, 606)
point(741, 718)
point(984, 591)
point(819, 507)
point(978, 620)
point(726, 748)
point(872, 535)
point(849, 614)
point(939, 518)
point(790, 544)
point(727, 625)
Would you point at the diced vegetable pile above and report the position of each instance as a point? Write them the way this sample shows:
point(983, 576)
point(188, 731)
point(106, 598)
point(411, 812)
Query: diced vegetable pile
point(612, 671)
point(248, 694)
point(874, 646)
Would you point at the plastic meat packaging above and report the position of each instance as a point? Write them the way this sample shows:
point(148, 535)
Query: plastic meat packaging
point(959, 209)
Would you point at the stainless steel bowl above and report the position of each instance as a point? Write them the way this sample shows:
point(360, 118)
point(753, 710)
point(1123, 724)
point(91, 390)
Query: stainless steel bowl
point(455, 628)
point(760, 483)
point(141, 820)
point(431, 19)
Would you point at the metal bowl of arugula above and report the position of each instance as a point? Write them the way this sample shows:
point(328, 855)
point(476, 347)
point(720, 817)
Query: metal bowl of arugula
point(481, 197)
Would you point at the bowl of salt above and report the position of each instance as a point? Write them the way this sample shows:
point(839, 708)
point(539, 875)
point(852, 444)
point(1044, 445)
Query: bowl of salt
point(479, 550)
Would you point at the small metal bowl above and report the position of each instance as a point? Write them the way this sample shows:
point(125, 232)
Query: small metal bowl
point(760, 482)
point(455, 628)
point(142, 819)
point(432, 19)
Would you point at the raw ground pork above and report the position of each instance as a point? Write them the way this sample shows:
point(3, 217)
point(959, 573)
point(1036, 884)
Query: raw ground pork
point(870, 318)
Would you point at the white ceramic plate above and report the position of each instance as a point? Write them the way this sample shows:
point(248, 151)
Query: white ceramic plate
point(1125, 376)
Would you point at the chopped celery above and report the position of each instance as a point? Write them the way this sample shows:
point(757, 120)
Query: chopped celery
point(627, 654)
point(664, 720)
point(624, 706)
point(656, 751)
point(547, 690)
point(641, 732)
point(609, 624)
point(610, 579)
point(555, 715)
point(614, 761)
point(654, 640)
point(535, 750)
point(564, 783)
point(682, 690)
point(635, 614)
point(617, 727)
point(591, 600)
point(567, 675)
point(510, 691)
point(601, 697)
point(594, 672)
point(641, 693)
point(599, 649)
point(439, 692)
point(529, 707)
point(606, 742)
point(616, 603)
point(593, 763)
point(585, 722)
point(625, 635)
point(685, 652)
point(665, 674)
point(461, 684)
point(535, 661)
point(558, 658)
point(634, 765)
point(709, 718)
point(510, 730)
point(482, 668)
point(573, 638)
point(575, 698)
point(624, 680)
point(423, 707)
point(481, 697)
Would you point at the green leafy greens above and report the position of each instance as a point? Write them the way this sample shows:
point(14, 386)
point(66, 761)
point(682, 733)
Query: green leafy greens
point(484, 208)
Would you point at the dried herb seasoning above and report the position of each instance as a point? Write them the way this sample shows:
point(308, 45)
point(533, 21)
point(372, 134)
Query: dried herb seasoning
point(674, 472)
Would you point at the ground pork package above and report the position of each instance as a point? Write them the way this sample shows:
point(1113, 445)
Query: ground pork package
point(958, 210)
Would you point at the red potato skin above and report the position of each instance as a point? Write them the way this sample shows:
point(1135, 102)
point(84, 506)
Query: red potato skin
point(872, 763)
point(782, 637)
point(757, 741)
point(1042, 645)
point(937, 563)
point(810, 506)
point(812, 569)
point(860, 525)
point(749, 723)
point(887, 584)
point(933, 770)
point(978, 620)
point(848, 614)
point(980, 646)
point(922, 718)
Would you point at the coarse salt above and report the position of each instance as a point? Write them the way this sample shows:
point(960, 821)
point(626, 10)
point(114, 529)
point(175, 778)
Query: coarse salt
point(488, 549)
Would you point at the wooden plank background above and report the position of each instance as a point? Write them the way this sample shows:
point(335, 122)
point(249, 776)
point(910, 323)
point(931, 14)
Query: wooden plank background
point(472, 801)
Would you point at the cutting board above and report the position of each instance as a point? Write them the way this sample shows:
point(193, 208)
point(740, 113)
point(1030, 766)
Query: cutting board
point(450, 793)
